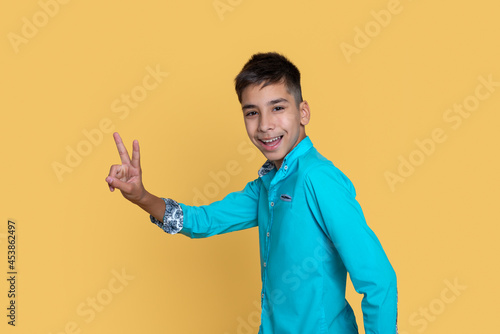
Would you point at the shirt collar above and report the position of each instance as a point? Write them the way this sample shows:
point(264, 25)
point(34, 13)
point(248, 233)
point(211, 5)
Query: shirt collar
point(301, 148)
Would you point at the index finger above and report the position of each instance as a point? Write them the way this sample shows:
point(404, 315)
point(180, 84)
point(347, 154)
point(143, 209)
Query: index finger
point(125, 158)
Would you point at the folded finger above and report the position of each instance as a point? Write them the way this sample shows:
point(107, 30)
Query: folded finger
point(118, 184)
point(114, 172)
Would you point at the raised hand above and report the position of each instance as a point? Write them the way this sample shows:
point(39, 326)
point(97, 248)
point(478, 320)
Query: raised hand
point(127, 177)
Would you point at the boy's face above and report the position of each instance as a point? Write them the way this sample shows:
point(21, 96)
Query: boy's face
point(273, 122)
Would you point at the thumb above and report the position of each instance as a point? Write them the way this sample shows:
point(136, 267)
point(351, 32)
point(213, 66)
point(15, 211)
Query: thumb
point(118, 184)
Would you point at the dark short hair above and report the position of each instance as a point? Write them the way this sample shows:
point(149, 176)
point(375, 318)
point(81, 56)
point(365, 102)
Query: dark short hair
point(269, 68)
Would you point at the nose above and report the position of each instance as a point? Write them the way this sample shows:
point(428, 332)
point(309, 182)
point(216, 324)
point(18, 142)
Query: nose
point(266, 122)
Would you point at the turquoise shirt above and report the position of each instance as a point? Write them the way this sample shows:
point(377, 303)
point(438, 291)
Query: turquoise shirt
point(312, 232)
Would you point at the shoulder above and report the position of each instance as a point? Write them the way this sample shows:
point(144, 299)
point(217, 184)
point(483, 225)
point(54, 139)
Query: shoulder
point(319, 172)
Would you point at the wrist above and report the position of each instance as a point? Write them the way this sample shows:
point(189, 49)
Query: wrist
point(144, 200)
point(152, 204)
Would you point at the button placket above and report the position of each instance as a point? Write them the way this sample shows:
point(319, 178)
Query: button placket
point(268, 234)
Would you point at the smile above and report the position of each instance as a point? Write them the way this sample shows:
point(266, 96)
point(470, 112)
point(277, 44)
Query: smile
point(271, 143)
point(271, 140)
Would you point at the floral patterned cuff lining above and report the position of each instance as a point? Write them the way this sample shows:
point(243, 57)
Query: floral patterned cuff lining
point(173, 219)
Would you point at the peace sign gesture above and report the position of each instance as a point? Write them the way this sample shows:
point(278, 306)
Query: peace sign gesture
point(127, 177)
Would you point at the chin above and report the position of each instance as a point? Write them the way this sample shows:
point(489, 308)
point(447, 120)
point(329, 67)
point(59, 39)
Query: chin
point(274, 157)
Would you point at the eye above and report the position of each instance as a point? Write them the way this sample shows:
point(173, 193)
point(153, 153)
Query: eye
point(277, 108)
point(251, 113)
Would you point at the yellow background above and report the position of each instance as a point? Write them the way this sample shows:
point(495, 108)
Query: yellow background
point(439, 225)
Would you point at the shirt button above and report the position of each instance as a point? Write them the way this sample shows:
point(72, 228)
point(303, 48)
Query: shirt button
point(262, 295)
point(286, 167)
point(268, 234)
point(272, 203)
point(265, 264)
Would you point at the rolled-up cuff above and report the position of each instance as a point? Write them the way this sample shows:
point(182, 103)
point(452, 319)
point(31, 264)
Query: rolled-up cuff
point(172, 219)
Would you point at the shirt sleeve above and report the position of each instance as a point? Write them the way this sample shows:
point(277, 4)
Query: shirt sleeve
point(237, 211)
point(331, 197)
point(173, 219)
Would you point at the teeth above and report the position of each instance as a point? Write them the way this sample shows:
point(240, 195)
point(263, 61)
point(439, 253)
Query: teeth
point(271, 140)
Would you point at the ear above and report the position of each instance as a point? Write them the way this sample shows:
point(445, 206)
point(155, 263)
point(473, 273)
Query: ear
point(305, 113)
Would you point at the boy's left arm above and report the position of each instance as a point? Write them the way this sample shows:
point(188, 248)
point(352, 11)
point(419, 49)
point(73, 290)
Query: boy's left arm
point(331, 197)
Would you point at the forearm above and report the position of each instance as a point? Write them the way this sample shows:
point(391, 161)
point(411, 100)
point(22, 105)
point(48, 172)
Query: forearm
point(152, 204)
point(380, 305)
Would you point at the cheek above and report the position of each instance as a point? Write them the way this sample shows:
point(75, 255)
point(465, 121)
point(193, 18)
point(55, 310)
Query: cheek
point(250, 127)
point(291, 123)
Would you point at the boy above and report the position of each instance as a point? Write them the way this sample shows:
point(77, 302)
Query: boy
point(311, 229)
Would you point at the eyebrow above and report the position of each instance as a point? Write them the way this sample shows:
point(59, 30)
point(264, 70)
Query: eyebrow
point(270, 103)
